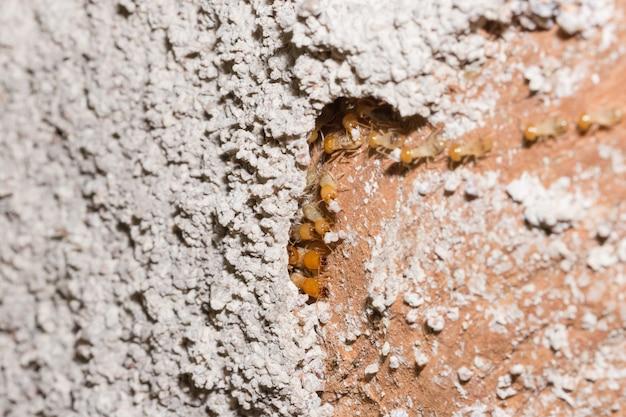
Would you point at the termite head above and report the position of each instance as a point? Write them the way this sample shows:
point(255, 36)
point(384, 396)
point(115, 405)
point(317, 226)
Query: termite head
point(405, 155)
point(312, 260)
point(305, 232)
point(310, 286)
point(331, 142)
point(373, 140)
point(328, 193)
point(584, 122)
point(328, 187)
point(531, 133)
point(350, 121)
point(455, 152)
point(322, 226)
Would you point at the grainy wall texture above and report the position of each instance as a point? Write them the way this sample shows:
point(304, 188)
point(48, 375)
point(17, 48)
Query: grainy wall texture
point(152, 154)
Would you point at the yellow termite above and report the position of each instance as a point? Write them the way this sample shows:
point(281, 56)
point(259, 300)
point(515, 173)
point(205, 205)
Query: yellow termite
point(550, 128)
point(337, 141)
point(304, 232)
point(313, 214)
point(350, 121)
point(604, 119)
point(475, 148)
point(362, 110)
point(310, 286)
point(382, 141)
point(304, 258)
point(432, 146)
point(328, 187)
point(312, 176)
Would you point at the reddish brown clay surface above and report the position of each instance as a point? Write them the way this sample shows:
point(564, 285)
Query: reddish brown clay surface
point(508, 292)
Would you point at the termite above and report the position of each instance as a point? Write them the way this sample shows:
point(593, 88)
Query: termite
point(350, 121)
point(310, 286)
point(304, 232)
point(304, 258)
point(313, 214)
point(432, 146)
point(312, 174)
point(381, 141)
point(604, 119)
point(351, 124)
point(475, 148)
point(328, 187)
point(336, 141)
point(550, 128)
point(362, 110)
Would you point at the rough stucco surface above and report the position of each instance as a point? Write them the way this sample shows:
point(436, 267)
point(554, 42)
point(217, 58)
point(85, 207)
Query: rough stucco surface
point(151, 157)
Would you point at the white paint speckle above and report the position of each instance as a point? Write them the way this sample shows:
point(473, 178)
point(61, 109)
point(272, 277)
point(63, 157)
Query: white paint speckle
point(334, 206)
point(604, 230)
point(464, 374)
point(452, 183)
point(371, 369)
point(384, 351)
point(553, 208)
point(394, 362)
point(435, 321)
point(421, 359)
point(517, 369)
point(411, 316)
point(331, 237)
point(601, 257)
point(556, 337)
point(398, 412)
point(412, 299)
point(589, 321)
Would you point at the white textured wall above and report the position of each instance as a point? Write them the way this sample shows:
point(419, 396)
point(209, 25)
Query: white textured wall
point(151, 154)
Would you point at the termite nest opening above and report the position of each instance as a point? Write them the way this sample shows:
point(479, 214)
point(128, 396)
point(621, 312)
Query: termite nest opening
point(349, 127)
point(345, 128)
